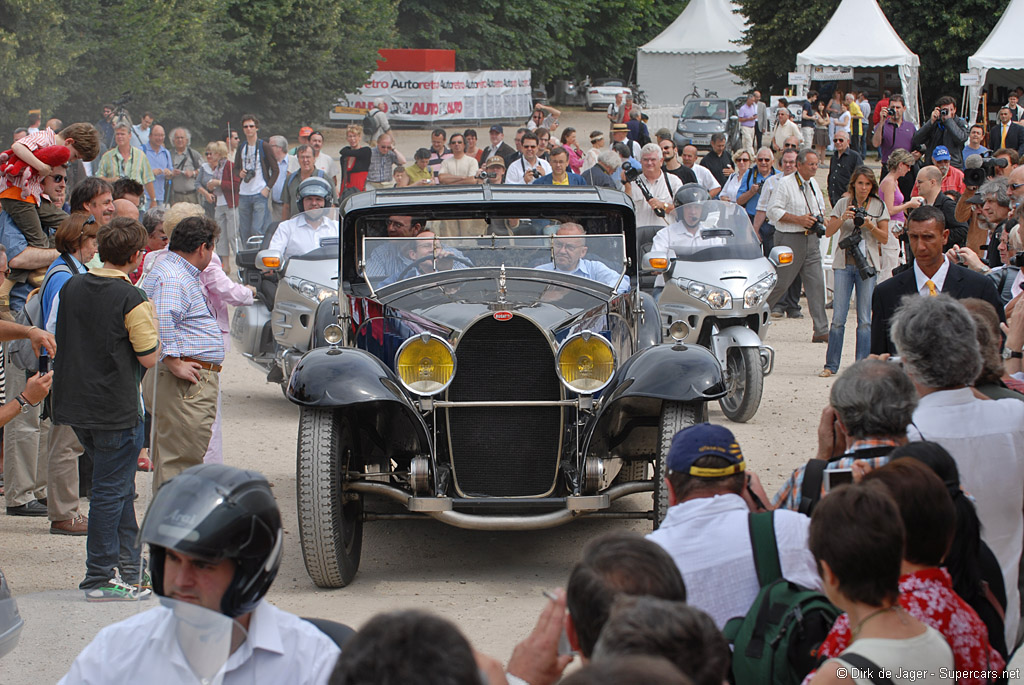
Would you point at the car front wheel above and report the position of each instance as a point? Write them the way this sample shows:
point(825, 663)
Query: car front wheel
point(330, 519)
point(675, 416)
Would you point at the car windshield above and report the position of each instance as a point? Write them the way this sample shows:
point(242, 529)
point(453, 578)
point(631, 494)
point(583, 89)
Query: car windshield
point(708, 231)
point(408, 261)
point(704, 109)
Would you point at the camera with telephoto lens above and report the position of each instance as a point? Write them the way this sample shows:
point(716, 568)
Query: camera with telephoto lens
point(250, 174)
point(818, 227)
point(629, 172)
point(851, 242)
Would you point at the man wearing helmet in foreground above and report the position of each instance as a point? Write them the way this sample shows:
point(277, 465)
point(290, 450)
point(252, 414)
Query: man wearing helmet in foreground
point(215, 541)
point(303, 233)
point(683, 235)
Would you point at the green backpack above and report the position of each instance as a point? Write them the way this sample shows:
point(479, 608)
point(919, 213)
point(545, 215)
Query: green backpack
point(777, 641)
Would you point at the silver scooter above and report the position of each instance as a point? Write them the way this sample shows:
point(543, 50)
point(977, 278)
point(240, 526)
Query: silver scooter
point(715, 294)
point(292, 296)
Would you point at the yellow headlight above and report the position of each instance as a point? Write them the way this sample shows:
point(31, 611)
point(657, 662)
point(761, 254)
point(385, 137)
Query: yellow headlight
point(586, 363)
point(426, 364)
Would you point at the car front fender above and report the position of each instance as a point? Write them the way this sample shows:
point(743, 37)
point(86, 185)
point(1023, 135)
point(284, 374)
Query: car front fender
point(626, 424)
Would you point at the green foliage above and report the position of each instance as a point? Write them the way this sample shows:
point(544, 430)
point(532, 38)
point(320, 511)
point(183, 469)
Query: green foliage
point(942, 35)
point(776, 31)
point(199, 63)
point(567, 38)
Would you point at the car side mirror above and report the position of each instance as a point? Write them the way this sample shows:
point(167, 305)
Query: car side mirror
point(657, 262)
point(676, 116)
point(781, 256)
point(734, 117)
point(268, 260)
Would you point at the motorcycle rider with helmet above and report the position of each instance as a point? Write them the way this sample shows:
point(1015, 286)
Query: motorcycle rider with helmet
point(215, 540)
point(303, 232)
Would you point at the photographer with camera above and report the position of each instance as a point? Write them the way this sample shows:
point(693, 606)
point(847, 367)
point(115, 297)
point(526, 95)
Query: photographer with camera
point(1002, 276)
point(796, 210)
point(944, 128)
point(653, 189)
point(862, 220)
point(529, 167)
point(257, 170)
point(892, 131)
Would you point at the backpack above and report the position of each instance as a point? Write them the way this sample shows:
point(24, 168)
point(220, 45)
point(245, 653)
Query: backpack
point(22, 354)
point(370, 124)
point(777, 641)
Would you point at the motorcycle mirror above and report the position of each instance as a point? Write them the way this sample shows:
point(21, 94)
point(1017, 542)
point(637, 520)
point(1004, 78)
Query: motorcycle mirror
point(269, 259)
point(781, 256)
point(657, 262)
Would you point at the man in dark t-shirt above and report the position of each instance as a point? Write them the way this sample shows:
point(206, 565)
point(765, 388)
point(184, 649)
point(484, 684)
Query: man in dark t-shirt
point(106, 336)
point(718, 161)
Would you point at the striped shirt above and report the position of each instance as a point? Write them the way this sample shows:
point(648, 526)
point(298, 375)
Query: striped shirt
point(187, 326)
point(136, 167)
point(33, 186)
point(789, 495)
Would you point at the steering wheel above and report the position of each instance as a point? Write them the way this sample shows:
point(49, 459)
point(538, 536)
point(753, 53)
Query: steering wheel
point(419, 261)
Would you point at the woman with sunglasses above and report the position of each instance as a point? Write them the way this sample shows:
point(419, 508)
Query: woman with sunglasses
point(863, 213)
point(730, 191)
point(899, 164)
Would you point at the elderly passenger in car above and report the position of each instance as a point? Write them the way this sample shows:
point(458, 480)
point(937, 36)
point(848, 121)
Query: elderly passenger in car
point(387, 259)
point(569, 253)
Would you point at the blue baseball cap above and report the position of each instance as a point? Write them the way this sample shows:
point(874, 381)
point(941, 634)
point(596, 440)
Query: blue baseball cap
point(497, 128)
point(702, 440)
point(940, 154)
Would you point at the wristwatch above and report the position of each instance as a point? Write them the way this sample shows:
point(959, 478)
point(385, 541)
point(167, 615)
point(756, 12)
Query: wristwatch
point(1011, 354)
point(26, 406)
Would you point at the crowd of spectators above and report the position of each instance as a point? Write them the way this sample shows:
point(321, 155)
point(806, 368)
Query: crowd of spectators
point(920, 554)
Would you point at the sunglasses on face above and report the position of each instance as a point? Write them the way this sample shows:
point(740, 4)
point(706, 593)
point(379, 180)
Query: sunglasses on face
point(789, 147)
point(57, 178)
point(764, 159)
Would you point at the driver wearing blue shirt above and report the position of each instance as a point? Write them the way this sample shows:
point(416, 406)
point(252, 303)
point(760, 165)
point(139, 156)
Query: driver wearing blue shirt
point(568, 259)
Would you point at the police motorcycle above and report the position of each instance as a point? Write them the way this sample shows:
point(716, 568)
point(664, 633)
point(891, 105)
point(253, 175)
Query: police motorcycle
point(715, 283)
point(296, 292)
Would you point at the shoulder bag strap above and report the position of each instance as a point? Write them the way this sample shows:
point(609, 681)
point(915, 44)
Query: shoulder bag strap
point(810, 489)
point(869, 670)
point(766, 550)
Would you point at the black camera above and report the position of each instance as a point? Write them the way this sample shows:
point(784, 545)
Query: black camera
point(891, 111)
point(488, 174)
point(1017, 260)
point(945, 112)
point(851, 242)
point(859, 214)
point(629, 172)
point(126, 98)
point(975, 176)
point(818, 227)
point(250, 174)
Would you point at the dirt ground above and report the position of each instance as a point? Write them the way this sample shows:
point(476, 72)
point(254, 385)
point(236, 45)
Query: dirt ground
point(489, 583)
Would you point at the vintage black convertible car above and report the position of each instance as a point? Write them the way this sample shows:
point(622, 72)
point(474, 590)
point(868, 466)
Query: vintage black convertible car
point(499, 371)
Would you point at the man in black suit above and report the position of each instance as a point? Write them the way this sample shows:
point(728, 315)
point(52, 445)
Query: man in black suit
point(498, 146)
point(931, 274)
point(1006, 133)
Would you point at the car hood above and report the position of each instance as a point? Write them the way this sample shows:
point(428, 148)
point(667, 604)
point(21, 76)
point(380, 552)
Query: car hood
point(701, 125)
point(455, 299)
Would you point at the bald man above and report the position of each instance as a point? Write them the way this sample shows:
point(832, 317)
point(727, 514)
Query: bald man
point(123, 207)
point(929, 182)
point(568, 249)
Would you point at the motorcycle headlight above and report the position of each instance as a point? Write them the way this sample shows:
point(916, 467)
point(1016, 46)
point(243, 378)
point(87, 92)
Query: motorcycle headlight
point(585, 363)
point(716, 298)
point(310, 290)
point(758, 293)
point(425, 364)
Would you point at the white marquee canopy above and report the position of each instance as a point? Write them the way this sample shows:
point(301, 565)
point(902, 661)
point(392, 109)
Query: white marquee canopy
point(695, 51)
point(1000, 59)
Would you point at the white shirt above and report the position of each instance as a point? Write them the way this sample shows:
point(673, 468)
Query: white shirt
point(678, 238)
point(767, 189)
point(280, 648)
point(986, 438)
point(709, 539)
point(517, 170)
point(730, 191)
point(939, 279)
point(925, 653)
point(251, 159)
point(297, 236)
point(645, 216)
point(796, 198)
point(705, 178)
point(786, 130)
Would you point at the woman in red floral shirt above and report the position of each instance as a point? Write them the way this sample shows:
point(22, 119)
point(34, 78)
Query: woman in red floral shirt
point(926, 590)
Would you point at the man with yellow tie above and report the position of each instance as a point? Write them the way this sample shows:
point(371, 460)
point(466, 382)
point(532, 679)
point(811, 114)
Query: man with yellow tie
point(1006, 133)
point(932, 272)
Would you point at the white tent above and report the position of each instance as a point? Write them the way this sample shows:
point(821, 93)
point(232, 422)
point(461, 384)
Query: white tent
point(1000, 59)
point(695, 51)
point(859, 36)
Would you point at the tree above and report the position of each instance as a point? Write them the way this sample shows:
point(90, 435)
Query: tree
point(776, 31)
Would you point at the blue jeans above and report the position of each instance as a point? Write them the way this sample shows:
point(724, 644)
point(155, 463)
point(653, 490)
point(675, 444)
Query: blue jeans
point(253, 216)
point(112, 526)
point(845, 281)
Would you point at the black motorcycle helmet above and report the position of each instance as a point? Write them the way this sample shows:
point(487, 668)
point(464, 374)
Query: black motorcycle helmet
point(215, 512)
point(314, 186)
point(691, 192)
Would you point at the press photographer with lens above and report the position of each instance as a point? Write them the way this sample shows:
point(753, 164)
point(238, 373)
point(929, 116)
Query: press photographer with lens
point(862, 221)
point(944, 128)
